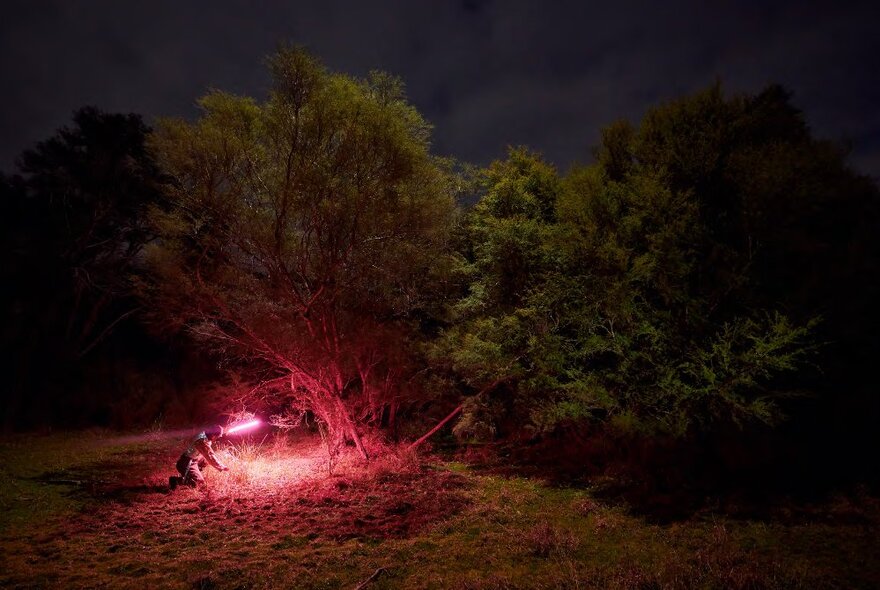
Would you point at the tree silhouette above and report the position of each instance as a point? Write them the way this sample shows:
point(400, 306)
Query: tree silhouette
point(75, 227)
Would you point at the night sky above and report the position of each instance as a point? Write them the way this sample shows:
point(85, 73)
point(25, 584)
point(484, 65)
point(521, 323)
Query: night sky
point(486, 73)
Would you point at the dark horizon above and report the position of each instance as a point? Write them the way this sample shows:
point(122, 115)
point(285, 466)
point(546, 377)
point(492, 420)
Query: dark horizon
point(485, 74)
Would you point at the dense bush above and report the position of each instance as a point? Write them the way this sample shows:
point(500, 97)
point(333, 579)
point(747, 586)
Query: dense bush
point(688, 280)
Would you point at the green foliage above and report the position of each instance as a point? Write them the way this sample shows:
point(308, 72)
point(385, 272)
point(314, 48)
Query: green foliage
point(647, 289)
point(731, 374)
point(301, 232)
point(501, 255)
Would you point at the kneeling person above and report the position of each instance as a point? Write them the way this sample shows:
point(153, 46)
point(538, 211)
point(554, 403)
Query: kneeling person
point(196, 457)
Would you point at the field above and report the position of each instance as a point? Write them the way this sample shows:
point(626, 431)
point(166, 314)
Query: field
point(92, 510)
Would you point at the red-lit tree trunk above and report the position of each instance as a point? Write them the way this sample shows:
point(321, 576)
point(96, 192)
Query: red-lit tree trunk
point(329, 407)
point(350, 428)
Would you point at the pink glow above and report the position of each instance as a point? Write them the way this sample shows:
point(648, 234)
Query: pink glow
point(244, 426)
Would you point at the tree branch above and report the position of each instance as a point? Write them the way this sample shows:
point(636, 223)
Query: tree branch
point(427, 435)
point(375, 575)
point(105, 332)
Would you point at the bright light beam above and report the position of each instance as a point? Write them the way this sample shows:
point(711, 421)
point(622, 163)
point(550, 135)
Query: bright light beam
point(243, 426)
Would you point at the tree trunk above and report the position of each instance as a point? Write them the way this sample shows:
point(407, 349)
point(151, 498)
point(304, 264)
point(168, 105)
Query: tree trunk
point(348, 427)
point(327, 404)
point(392, 419)
point(358, 443)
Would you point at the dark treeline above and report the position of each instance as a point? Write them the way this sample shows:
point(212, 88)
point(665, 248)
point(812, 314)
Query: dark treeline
point(697, 304)
point(74, 227)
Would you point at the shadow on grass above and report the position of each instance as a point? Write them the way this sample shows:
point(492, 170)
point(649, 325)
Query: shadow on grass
point(117, 479)
point(668, 481)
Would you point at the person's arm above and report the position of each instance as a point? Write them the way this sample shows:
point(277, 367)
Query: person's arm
point(208, 453)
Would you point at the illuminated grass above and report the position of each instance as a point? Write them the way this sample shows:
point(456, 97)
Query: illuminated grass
point(260, 468)
point(279, 519)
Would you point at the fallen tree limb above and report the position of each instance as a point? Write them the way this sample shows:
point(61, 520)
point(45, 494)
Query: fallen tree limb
point(375, 575)
point(452, 415)
point(435, 429)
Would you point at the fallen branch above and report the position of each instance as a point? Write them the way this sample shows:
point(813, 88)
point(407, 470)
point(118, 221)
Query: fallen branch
point(104, 333)
point(375, 575)
point(435, 429)
point(452, 415)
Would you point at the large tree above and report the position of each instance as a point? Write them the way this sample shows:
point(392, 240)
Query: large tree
point(299, 234)
point(673, 284)
point(74, 218)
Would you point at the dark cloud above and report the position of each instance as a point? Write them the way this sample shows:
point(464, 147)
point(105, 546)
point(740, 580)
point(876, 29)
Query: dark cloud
point(486, 73)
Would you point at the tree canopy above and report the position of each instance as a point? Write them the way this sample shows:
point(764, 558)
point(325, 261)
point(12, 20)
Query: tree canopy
point(673, 284)
point(298, 234)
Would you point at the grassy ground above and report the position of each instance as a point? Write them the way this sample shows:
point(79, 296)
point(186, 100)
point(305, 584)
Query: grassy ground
point(93, 511)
